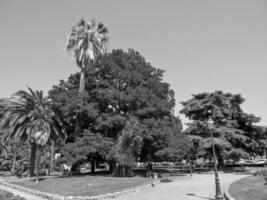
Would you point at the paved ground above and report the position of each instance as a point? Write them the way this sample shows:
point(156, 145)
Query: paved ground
point(197, 187)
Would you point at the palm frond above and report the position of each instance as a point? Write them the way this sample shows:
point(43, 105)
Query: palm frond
point(87, 40)
point(29, 112)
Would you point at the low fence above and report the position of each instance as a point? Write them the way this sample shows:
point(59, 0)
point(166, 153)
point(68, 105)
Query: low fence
point(199, 169)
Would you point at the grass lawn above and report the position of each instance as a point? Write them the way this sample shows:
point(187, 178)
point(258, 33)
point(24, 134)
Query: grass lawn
point(250, 188)
point(84, 185)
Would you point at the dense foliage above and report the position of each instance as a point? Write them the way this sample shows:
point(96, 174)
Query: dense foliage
point(121, 85)
point(18, 157)
point(128, 147)
point(91, 147)
point(234, 130)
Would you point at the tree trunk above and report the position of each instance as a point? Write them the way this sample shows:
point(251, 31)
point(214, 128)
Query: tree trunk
point(149, 169)
point(37, 164)
point(14, 163)
point(189, 165)
point(76, 168)
point(112, 165)
point(93, 166)
point(82, 81)
point(51, 161)
point(123, 171)
point(32, 161)
point(81, 89)
point(220, 161)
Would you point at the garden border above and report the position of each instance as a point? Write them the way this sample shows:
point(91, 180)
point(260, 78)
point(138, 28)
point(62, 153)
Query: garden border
point(227, 194)
point(50, 196)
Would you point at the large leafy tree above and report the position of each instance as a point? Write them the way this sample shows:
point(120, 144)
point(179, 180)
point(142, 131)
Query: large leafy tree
point(28, 116)
point(234, 131)
point(121, 85)
point(91, 147)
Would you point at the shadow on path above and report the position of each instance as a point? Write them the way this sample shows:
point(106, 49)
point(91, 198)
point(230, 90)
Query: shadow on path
point(195, 195)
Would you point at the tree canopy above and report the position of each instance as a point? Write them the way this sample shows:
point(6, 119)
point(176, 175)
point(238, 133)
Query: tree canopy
point(234, 130)
point(87, 40)
point(120, 85)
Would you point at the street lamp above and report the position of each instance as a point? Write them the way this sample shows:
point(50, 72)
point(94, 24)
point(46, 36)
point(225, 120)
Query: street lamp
point(218, 193)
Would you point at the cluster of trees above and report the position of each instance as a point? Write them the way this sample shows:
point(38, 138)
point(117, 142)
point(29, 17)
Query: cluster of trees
point(27, 118)
point(119, 110)
point(120, 87)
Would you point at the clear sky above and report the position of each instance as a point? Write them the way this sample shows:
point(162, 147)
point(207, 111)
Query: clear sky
point(203, 45)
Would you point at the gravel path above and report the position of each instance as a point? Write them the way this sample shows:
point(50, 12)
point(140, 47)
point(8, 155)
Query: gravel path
point(197, 187)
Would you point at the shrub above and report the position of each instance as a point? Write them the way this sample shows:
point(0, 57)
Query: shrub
point(262, 172)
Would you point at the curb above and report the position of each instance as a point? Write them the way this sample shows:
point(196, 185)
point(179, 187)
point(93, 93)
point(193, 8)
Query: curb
point(59, 197)
point(227, 194)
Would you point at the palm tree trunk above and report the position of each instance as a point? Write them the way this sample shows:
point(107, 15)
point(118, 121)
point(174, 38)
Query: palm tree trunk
point(82, 81)
point(81, 89)
point(37, 164)
point(33, 156)
point(14, 163)
point(51, 161)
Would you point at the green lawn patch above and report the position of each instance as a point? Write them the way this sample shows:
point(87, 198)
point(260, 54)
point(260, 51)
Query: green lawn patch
point(250, 188)
point(85, 185)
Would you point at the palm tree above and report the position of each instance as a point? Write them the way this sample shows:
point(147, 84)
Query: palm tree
point(87, 40)
point(28, 116)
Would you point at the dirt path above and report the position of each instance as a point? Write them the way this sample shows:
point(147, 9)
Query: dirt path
point(197, 187)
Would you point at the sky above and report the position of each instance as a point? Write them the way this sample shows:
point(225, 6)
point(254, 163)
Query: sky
point(203, 45)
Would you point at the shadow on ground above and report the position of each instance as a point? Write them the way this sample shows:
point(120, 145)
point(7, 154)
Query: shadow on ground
point(201, 197)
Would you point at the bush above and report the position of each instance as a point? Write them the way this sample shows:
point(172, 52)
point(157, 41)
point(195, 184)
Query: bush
point(262, 172)
point(4, 195)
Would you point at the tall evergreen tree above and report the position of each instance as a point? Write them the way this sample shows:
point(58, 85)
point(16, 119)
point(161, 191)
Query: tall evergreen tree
point(221, 113)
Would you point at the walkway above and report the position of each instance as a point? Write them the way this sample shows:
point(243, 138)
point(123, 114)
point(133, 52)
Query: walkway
point(197, 187)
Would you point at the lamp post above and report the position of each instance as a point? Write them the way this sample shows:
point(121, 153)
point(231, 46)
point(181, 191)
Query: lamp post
point(218, 193)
